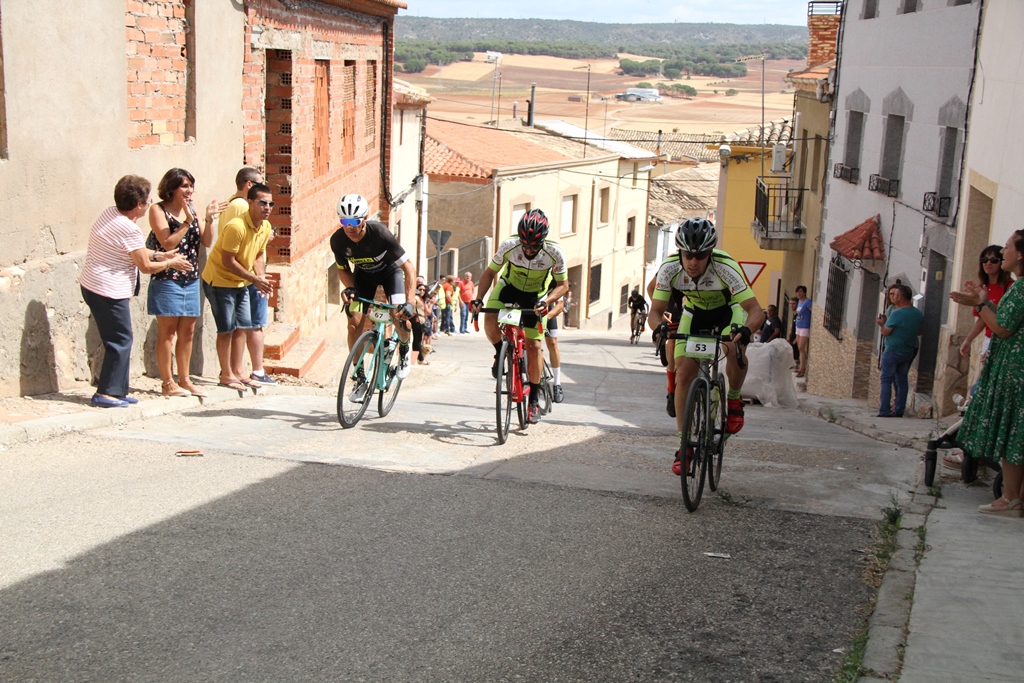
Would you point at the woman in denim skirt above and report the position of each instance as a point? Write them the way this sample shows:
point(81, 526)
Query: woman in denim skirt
point(174, 296)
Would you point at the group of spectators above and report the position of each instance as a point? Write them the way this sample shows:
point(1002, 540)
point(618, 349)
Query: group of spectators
point(437, 306)
point(233, 280)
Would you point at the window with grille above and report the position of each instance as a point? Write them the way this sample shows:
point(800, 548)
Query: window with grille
point(623, 299)
point(950, 136)
point(595, 283)
point(348, 111)
point(892, 149)
point(854, 138)
point(835, 296)
point(631, 231)
point(870, 9)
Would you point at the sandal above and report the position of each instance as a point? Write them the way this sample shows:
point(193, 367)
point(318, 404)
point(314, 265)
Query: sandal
point(1002, 506)
point(188, 386)
point(231, 384)
point(170, 388)
point(249, 382)
point(953, 461)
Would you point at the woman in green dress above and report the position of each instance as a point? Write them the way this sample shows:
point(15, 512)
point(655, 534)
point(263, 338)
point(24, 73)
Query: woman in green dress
point(994, 422)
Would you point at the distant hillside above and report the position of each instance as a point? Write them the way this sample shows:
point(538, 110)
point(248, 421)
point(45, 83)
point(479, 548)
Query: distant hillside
point(620, 37)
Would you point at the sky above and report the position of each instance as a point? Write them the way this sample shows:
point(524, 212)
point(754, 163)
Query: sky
point(793, 12)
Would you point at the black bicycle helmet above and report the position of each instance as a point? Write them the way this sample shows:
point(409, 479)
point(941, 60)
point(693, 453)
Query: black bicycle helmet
point(533, 228)
point(696, 235)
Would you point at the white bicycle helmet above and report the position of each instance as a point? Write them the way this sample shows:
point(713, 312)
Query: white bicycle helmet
point(353, 206)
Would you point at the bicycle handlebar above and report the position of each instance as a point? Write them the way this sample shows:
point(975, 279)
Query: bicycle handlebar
point(740, 360)
point(540, 319)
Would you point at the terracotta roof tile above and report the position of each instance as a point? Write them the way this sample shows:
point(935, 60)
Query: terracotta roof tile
point(687, 192)
point(489, 148)
point(775, 132)
point(676, 146)
point(863, 241)
point(440, 160)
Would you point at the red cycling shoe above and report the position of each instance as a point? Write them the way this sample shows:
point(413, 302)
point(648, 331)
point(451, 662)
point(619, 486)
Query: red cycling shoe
point(734, 415)
point(677, 465)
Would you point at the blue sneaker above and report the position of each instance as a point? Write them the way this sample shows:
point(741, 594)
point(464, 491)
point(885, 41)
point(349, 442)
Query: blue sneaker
point(264, 378)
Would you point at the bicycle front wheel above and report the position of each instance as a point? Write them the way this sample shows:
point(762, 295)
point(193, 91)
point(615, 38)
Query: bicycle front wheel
point(503, 391)
point(718, 434)
point(547, 393)
point(694, 442)
point(392, 383)
point(358, 380)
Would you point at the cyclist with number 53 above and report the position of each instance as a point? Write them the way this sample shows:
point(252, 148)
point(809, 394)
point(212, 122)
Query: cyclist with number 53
point(519, 271)
point(716, 296)
point(368, 255)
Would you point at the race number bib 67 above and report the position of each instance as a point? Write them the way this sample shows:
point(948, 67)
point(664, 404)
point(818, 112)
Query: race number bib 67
point(380, 315)
point(700, 347)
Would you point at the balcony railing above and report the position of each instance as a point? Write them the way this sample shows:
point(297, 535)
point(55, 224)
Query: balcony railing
point(847, 173)
point(933, 203)
point(890, 187)
point(778, 207)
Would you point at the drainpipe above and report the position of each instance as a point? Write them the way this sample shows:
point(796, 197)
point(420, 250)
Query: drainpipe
point(385, 121)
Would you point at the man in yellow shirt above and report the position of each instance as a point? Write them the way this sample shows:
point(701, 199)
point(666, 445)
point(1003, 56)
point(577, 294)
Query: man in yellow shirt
point(236, 261)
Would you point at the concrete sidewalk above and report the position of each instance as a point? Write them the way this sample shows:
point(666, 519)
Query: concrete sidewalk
point(949, 605)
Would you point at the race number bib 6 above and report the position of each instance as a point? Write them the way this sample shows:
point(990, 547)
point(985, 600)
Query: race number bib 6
point(700, 347)
point(380, 315)
point(510, 316)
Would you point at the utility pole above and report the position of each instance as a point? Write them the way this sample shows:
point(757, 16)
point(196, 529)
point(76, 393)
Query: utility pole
point(586, 112)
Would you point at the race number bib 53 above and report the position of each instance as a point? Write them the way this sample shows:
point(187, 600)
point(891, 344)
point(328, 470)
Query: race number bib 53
point(700, 347)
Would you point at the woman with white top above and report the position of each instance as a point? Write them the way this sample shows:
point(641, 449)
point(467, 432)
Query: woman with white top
point(110, 277)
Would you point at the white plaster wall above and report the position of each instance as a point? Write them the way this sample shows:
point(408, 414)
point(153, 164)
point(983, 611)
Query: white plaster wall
point(930, 55)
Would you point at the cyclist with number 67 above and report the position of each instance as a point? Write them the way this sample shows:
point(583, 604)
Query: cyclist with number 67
point(519, 272)
point(368, 255)
point(716, 296)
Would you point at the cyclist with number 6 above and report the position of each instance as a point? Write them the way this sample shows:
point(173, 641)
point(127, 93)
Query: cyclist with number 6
point(519, 271)
point(368, 255)
point(716, 296)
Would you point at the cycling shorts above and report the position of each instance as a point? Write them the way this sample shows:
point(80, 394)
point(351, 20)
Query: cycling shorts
point(392, 280)
point(703, 321)
point(503, 293)
point(551, 327)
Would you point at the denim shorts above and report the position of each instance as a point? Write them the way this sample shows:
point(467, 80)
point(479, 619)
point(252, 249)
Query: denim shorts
point(172, 298)
point(258, 308)
point(230, 307)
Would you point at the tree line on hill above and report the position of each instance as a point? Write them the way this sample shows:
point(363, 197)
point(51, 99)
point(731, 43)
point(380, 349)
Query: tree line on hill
point(718, 61)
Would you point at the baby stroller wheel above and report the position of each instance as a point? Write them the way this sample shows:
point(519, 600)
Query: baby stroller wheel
point(930, 458)
point(997, 485)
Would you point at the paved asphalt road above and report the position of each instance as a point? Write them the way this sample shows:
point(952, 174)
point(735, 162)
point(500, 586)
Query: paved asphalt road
point(414, 548)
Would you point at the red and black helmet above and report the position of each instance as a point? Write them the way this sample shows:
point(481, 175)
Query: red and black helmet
point(533, 229)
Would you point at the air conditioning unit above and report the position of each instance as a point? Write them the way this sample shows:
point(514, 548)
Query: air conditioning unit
point(847, 173)
point(933, 203)
point(881, 185)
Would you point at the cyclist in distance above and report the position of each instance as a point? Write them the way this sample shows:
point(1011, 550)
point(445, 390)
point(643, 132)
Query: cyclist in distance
point(368, 255)
point(715, 296)
point(518, 272)
point(637, 306)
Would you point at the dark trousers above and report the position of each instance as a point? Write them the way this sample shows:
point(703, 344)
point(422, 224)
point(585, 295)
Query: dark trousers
point(417, 338)
point(114, 321)
point(895, 368)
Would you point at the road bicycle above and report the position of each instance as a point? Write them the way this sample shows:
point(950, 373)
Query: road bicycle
point(512, 381)
point(638, 327)
point(371, 366)
point(702, 444)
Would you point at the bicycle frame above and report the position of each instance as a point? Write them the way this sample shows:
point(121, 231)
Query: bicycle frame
point(379, 315)
point(371, 364)
point(513, 334)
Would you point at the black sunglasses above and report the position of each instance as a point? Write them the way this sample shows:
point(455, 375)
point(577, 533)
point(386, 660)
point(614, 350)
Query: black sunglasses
point(264, 202)
point(695, 255)
point(992, 259)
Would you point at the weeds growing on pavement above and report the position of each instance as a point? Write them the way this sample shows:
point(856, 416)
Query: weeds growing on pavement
point(935, 491)
point(876, 561)
point(850, 669)
point(921, 546)
point(831, 415)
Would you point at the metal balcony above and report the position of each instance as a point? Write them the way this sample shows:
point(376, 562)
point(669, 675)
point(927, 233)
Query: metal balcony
point(777, 221)
point(890, 187)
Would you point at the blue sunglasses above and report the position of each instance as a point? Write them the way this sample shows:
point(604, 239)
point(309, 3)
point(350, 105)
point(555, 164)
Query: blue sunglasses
point(351, 222)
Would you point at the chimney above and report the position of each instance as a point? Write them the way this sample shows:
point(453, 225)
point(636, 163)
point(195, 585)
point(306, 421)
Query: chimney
point(823, 28)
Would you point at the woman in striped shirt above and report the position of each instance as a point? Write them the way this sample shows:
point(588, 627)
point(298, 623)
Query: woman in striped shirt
point(110, 277)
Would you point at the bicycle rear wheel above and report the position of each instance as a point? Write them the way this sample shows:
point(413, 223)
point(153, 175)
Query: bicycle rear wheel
point(503, 391)
point(547, 393)
point(635, 339)
point(392, 383)
point(662, 354)
point(718, 434)
point(358, 380)
point(695, 440)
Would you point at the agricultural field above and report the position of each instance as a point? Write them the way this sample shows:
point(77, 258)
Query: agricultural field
point(470, 92)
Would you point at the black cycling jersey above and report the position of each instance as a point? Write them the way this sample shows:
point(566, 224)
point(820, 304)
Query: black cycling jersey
point(637, 303)
point(377, 252)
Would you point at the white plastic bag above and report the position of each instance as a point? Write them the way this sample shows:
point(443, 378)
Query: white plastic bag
point(770, 374)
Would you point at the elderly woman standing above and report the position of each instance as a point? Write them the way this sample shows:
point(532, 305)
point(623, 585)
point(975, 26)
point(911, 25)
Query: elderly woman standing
point(174, 295)
point(994, 422)
point(110, 277)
